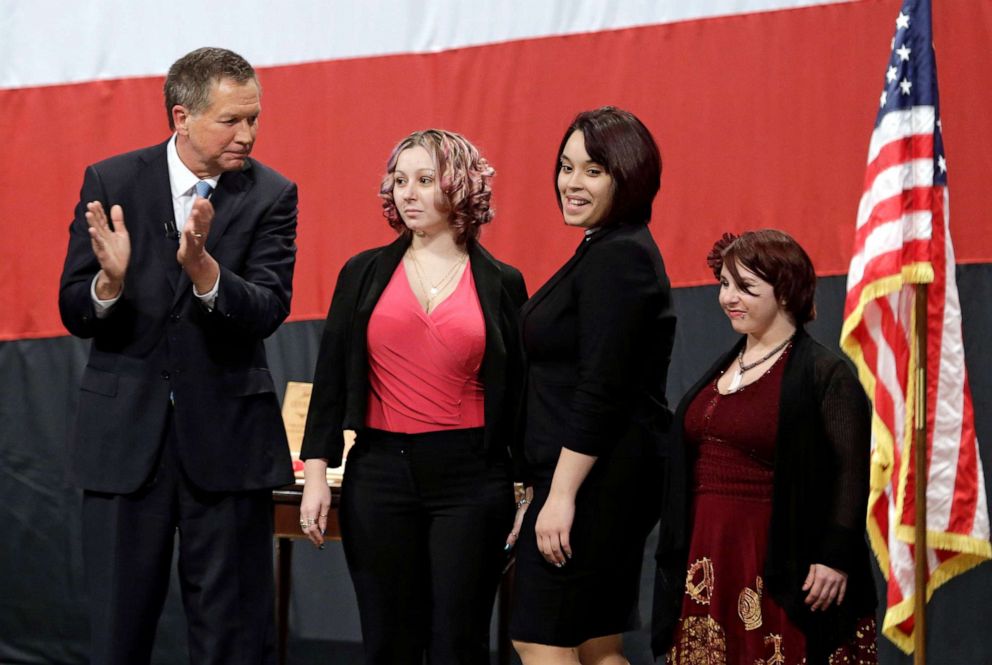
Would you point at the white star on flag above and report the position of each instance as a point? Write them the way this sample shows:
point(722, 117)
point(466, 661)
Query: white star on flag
point(892, 74)
point(906, 85)
point(942, 164)
point(902, 21)
point(881, 102)
point(903, 52)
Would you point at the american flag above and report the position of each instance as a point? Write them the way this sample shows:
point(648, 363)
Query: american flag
point(903, 243)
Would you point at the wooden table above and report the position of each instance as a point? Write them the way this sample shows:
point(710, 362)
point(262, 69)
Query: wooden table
point(286, 528)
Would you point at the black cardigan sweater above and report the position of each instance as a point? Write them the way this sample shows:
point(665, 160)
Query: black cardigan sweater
point(819, 499)
point(341, 377)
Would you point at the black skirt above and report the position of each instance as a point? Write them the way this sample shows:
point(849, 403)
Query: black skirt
point(596, 593)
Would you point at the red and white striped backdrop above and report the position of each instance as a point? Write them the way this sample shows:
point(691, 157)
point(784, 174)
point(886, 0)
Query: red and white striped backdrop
point(759, 107)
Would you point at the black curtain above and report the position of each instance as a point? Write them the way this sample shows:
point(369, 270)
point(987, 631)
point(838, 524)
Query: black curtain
point(42, 595)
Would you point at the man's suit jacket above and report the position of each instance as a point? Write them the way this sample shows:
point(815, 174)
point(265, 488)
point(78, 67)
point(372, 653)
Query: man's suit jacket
point(598, 338)
point(341, 377)
point(160, 345)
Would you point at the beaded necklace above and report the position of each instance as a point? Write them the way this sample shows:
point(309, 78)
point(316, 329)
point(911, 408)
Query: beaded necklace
point(738, 379)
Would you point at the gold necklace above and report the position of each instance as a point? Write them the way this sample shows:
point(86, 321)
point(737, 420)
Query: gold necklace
point(436, 288)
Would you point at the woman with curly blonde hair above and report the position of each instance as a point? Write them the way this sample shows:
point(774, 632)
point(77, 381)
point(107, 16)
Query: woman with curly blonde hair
point(420, 356)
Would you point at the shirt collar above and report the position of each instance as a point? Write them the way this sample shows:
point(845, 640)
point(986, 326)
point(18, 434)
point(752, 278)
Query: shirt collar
point(181, 179)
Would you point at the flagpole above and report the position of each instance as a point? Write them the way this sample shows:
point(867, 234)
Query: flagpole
point(920, 475)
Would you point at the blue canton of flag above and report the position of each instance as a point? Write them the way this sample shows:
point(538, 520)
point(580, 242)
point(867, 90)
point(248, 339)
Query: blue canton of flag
point(911, 77)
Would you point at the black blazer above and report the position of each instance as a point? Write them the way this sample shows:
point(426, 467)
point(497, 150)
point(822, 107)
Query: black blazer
point(159, 340)
point(819, 499)
point(598, 338)
point(341, 377)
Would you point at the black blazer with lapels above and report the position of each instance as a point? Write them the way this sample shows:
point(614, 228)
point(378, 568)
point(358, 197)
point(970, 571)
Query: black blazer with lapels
point(341, 377)
point(598, 338)
point(159, 351)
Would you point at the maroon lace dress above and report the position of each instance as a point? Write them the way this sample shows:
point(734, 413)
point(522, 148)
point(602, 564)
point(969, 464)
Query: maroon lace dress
point(727, 618)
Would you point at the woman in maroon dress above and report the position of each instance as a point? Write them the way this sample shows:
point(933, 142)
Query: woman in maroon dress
point(764, 559)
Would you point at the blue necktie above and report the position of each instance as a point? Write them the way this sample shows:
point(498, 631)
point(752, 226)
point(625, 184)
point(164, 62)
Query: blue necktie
point(203, 189)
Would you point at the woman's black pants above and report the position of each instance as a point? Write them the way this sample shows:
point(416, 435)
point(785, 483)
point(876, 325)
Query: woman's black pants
point(424, 520)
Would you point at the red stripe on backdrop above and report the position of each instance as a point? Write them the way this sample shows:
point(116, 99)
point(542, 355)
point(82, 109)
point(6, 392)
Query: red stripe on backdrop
point(753, 114)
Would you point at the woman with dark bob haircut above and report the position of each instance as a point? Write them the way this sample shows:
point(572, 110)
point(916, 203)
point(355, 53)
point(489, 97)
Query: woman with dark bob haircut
point(762, 555)
point(420, 356)
point(598, 339)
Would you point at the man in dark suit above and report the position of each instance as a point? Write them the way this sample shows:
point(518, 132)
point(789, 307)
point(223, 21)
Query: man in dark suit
point(178, 425)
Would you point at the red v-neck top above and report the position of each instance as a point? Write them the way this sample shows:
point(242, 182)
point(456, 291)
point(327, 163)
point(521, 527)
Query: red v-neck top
point(424, 368)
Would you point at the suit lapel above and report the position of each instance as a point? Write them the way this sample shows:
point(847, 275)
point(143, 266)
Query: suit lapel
point(549, 286)
point(552, 283)
point(227, 199)
point(156, 213)
point(383, 271)
point(488, 288)
point(486, 274)
point(372, 288)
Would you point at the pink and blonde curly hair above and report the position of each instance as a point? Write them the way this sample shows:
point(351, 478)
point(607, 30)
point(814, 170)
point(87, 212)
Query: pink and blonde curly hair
point(463, 177)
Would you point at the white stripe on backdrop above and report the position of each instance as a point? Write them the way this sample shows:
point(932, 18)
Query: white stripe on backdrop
point(46, 42)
